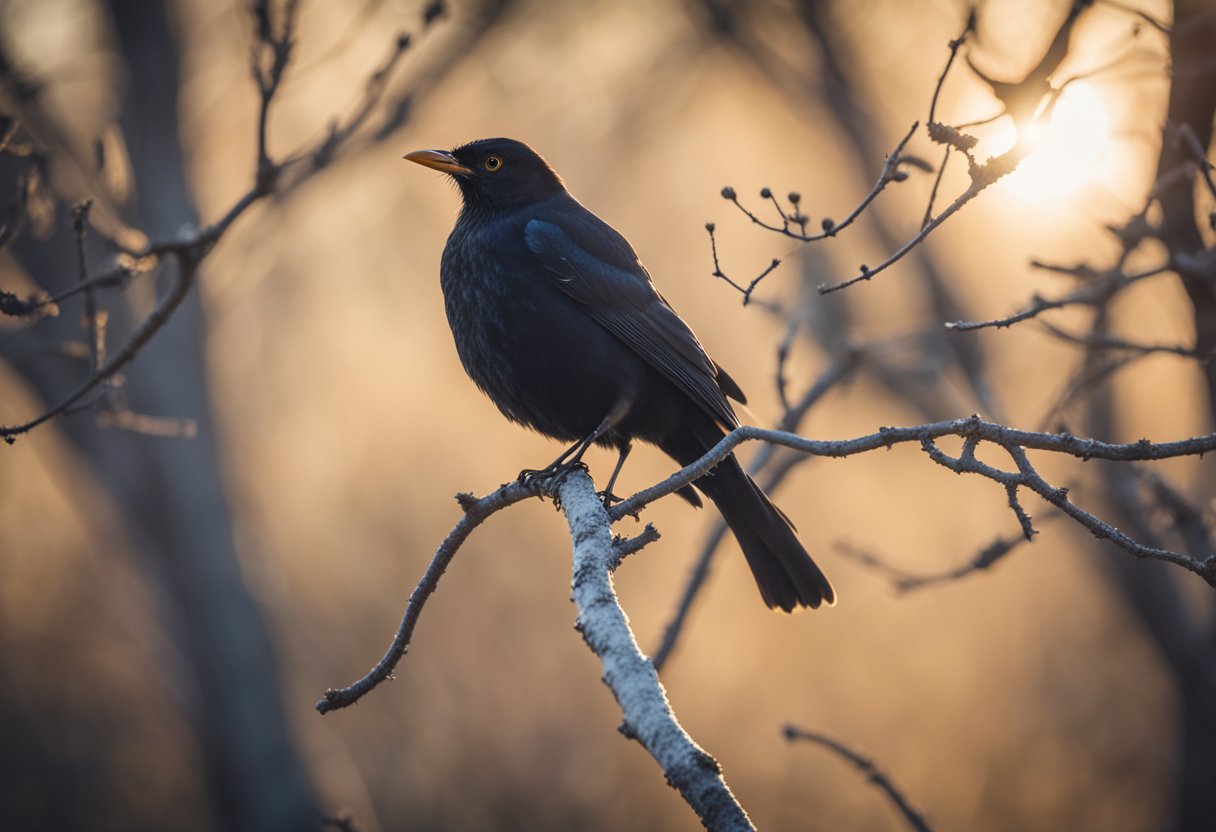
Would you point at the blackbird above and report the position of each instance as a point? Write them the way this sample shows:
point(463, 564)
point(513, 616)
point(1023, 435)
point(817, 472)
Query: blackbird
point(558, 322)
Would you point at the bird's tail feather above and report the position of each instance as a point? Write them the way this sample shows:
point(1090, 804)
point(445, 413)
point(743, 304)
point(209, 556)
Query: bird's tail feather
point(785, 573)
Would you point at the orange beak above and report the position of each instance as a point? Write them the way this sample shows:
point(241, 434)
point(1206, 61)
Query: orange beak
point(438, 160)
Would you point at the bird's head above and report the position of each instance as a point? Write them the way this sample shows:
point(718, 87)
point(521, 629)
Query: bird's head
point(494, 174)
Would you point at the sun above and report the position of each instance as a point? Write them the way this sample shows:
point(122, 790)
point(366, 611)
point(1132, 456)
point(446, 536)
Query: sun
point(1070, 147)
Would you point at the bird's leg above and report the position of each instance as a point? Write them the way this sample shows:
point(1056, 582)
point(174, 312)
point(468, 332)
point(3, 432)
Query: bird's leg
point(574, 454)
point(577, 450)
point(606, 495)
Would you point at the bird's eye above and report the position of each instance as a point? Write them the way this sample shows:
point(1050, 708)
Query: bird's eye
point(492, 163)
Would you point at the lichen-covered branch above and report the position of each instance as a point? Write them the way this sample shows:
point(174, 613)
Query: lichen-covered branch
point(628, 673)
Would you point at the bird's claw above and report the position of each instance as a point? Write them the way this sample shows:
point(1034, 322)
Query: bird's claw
point(609, 499)
point(530, 474)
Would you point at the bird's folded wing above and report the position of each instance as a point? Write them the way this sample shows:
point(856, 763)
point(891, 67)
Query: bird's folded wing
point(625, 302)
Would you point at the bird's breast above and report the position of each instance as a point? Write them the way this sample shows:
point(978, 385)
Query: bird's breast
point(534, 351)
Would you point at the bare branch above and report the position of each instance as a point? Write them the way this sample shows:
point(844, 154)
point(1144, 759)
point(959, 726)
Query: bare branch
point(746, 291)
point(1013, 440)
point(955, 45)
point(1028, 99)
point(891, 172)
point(628, 546)
point(982, 175)
point(905, 581)
point(476, 511)
point(1093, 293)
point(186, 271)
point(866, 766)
point(80, 219)
point(271, 56)
point(937, 181)
point(1112, 342)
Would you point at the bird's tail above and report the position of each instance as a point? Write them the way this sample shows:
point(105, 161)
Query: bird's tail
point(785, 573)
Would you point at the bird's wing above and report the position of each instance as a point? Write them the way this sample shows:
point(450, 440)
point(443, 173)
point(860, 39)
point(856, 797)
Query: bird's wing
point(615, 290)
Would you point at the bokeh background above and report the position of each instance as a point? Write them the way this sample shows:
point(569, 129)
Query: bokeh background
point(171, 608)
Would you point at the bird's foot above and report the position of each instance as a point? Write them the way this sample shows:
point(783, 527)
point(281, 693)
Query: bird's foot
point(554, 471)
point(609, 499)
point(530, 474)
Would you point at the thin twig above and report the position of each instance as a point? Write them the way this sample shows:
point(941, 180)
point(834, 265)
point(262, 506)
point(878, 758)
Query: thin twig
point(476, 512)
point(269, 63)
point(1112, 342)
point(1097, 291)
point(891, 172)
point(866, 766)
point(955, 45)
point(982, 176)
point(937, 181)
point(80, 221)
point(186, 271)
point(905, 581)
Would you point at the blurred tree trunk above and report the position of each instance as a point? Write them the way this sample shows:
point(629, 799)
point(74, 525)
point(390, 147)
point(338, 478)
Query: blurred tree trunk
point(1192, 104)
point(170, 491)
point(1183, 632)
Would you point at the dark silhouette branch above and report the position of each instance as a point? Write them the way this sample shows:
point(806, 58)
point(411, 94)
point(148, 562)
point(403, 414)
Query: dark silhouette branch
point(905, 581)
point(914, 819)
point(271, 57)
point(476, 512)
point(1093, 293)
point(891, 172)
point(954, 46)
point(186, 271)
point(1113, 342)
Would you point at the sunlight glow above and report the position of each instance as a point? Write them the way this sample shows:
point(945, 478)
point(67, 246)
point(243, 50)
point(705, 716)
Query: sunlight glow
point(1070, 148)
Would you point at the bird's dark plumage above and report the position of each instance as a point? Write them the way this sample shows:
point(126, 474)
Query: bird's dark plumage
point(558, 322)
